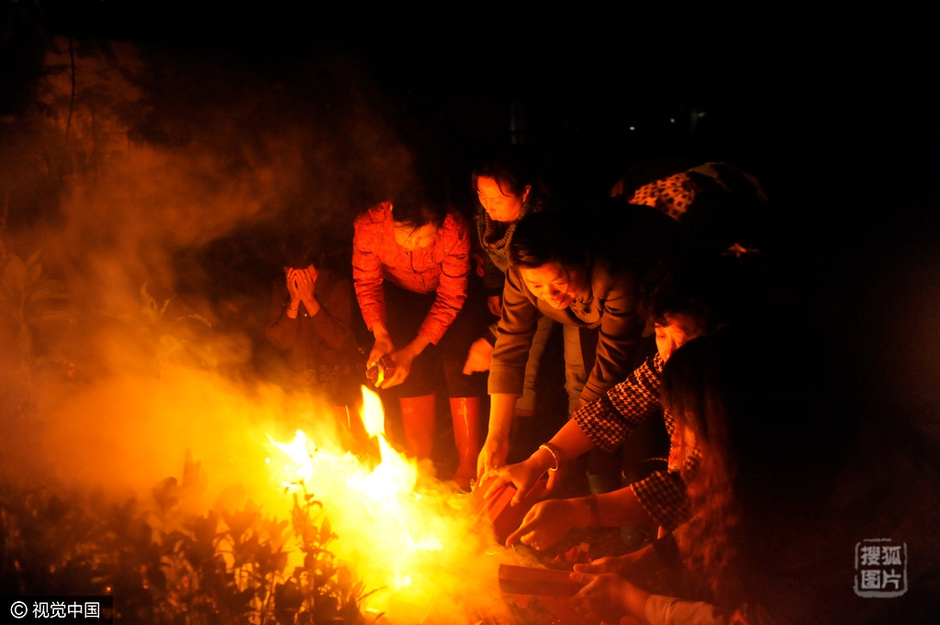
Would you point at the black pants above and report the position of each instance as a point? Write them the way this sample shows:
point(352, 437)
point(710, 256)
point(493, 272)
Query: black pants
point(438, 365)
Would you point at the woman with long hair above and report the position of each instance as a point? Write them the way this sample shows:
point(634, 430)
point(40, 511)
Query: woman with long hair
point(786, 465)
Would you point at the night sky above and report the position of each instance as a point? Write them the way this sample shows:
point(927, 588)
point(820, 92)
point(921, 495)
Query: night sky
point(816, 105)
point(832, 112)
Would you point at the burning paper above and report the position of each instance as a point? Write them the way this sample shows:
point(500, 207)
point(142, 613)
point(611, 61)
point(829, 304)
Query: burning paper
point(412, 546)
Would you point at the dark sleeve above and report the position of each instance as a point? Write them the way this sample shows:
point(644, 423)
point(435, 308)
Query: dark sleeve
point(333, 322)
point(282, 330)
point(514, 334)
point(620, 333)
point(493, 279)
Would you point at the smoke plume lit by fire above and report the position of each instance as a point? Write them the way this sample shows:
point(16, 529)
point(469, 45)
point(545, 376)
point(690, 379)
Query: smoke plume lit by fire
point(139, 364)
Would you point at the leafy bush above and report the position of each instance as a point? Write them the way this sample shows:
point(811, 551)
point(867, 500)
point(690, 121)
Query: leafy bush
point(165, 566)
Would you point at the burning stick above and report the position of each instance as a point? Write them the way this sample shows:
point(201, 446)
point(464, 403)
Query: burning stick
point(549, 589)
point(524, 580)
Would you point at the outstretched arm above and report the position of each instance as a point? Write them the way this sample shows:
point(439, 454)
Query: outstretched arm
point(548, 521)
point(569, 443)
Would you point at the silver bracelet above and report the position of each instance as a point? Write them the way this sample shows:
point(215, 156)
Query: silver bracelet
point(555, 452)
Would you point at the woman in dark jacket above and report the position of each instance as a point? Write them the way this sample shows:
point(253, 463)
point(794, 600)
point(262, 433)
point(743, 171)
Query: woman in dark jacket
point(585, 271)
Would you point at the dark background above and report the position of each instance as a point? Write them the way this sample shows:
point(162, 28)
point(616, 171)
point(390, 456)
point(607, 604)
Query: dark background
point(833, 111)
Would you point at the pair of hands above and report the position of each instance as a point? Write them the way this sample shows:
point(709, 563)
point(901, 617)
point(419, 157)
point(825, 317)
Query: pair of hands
point(399, 362)
point(301, 285)
point(546, 522)
point(606, 595)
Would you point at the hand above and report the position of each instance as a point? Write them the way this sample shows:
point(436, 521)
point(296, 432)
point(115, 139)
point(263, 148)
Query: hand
point(293, 277)
point(522, 475)
point(402, 360)
point(306, 283)
point(544, 525)
point(627, 565)
point(381, 347)
point(492, 455)
point(608, 597)
point(478, 359)
point(495, 304)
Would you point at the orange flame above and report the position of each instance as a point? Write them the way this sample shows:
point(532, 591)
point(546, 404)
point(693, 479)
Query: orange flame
point(378, 504)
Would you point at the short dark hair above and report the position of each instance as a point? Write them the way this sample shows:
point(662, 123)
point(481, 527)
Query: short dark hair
point(681, 296)
point(713, 289)
point(546, 237)
point(510, 170)
point(299, 250)
point(414, 207)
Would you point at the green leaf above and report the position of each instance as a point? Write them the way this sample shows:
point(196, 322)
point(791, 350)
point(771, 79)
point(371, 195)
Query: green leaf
point(34, 271)
point(166, 494)
point(48, 289)
point(13, 277)
point(200, 318)
point(24, 340)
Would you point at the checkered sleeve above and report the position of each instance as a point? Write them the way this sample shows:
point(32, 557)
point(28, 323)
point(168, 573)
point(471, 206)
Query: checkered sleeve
point(611, 418)
point(664, 498)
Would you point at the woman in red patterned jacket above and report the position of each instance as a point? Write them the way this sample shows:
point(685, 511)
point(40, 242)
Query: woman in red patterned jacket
point(411, 262)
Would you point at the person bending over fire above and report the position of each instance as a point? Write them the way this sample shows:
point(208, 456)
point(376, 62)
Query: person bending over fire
point(797, 465)
point(411, 261)
point(507, 191)
point(586, 271)
point(705, 293)
point(660, 498)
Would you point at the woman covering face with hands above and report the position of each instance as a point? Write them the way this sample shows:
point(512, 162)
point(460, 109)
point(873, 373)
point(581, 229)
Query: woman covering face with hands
point(301, 284)
point(311, 322)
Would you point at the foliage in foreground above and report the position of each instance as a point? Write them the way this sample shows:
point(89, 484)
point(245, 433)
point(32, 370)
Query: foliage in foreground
point(165, 567)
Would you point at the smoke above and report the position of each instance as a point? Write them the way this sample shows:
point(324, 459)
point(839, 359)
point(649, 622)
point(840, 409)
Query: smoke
point(148, 258)
point(152, 198)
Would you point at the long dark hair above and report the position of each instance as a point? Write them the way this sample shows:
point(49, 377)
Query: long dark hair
point(769, 450)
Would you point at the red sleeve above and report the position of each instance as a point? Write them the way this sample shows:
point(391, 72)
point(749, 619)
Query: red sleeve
point(454, 250)
point(367, 270)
